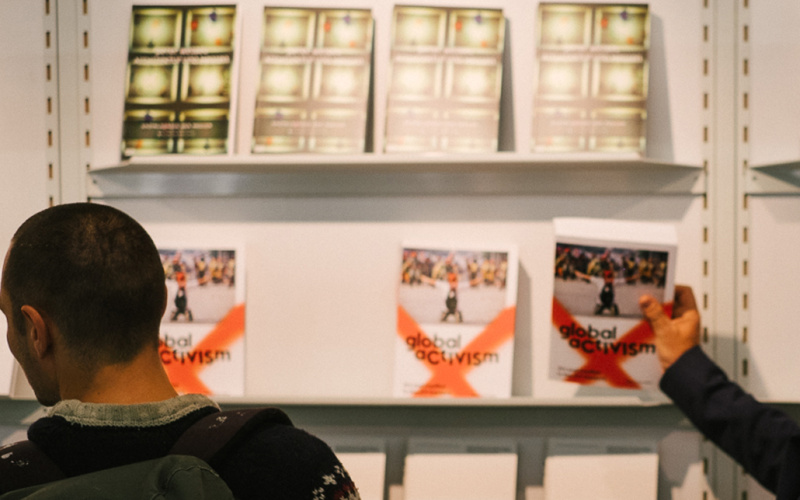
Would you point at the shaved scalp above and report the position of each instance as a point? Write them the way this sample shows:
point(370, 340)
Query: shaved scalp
point(96, 273)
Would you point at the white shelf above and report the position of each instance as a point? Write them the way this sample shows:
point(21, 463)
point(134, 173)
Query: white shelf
point(373, 174)
point(779, 178)
point(514, 402)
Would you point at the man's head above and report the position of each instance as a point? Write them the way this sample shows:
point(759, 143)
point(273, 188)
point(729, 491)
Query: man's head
point(94, 274)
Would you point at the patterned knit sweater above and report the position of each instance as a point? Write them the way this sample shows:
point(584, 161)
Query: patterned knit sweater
point(276, 461)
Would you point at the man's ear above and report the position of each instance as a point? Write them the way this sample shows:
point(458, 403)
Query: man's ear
point(37, 330)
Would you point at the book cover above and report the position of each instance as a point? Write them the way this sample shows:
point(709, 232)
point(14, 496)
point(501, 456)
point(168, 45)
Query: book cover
point(591, 78)
point(445, 80)
point(460, 470)
point(602, 267)
point(314, 85)
point(180, 82)
point(203, 329)
point(455, 321)
point(606, 468)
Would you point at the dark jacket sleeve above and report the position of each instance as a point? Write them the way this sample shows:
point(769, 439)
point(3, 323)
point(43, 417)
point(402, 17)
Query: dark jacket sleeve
point(762, 439)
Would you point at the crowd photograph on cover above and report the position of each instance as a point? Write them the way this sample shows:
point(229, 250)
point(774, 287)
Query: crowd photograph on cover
point(594, 281)
point(200, 284)
point(455, 286)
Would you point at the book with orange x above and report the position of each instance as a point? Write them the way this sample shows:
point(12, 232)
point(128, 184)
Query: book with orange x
point(455, 321)
point(203, 329)
point(602, 267)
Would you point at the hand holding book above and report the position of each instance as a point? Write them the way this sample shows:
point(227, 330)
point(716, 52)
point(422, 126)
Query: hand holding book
point(675, 335)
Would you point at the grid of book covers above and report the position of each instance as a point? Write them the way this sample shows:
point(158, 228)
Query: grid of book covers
point(314, 79)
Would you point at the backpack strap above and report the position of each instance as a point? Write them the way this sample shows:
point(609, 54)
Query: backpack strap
point(24, 464)
point(214, 435)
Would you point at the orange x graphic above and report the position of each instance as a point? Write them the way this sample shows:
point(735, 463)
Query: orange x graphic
point(607, 364)
point(185, 376)
point(450, 378)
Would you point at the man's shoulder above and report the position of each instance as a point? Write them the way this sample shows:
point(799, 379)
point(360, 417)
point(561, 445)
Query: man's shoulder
point(287, 461)
point(266, 454)
point(281, 441)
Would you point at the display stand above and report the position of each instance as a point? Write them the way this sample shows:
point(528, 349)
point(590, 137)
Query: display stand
point(327, 228)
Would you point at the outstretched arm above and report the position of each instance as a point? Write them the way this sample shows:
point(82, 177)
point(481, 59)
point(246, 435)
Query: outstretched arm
point(764, 440)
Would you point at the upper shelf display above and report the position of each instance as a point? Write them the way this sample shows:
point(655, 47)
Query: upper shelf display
point(445, 124)
point(315, 92)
